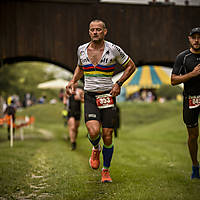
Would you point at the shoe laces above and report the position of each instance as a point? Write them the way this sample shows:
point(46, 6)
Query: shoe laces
point(95, 154)
point(106, 173)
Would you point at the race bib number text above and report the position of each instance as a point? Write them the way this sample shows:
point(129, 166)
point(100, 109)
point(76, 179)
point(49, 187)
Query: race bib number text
point(194, 101)
point(104, 101)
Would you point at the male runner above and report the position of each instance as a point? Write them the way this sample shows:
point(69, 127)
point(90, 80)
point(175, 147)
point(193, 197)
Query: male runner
point(73, 104)
point(96, 61)
point(187, 70)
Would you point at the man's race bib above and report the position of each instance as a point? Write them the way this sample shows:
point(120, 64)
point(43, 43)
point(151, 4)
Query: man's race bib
point(104, 101)
point(194, 101)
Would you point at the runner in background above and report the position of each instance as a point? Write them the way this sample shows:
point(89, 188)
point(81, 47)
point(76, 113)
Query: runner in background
point(187, 70)
point(117, 121)
point(11, 111)
point(73, 105)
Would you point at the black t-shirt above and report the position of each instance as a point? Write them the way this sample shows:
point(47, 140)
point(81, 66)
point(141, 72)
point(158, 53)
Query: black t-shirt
point(185, 63)
point(74, 105)
point(10, 110)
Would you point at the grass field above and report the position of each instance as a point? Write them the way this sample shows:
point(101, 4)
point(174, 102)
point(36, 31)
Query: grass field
point(150, 162)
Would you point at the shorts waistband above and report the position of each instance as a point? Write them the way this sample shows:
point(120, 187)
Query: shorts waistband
point(96, 93)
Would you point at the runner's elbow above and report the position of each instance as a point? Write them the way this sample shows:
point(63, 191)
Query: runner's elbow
point(173, 82)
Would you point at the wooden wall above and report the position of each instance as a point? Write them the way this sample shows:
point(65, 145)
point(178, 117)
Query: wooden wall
point(52, 30)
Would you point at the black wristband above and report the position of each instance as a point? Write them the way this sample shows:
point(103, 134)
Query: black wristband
point(119, 83)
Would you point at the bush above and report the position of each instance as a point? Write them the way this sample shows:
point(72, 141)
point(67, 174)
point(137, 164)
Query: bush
point(169, 92)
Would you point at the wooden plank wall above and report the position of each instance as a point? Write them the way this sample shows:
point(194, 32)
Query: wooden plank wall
point(52, 30)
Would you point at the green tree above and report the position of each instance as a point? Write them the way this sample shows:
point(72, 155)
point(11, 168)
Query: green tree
point(169, 92)
point(23, 77)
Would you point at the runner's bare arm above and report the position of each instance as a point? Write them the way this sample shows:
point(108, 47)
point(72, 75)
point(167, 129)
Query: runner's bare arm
point(130, 68)
point(78, 74)
point(65, 98)
point(79, 96)
point(82, 96)
point(177, 79)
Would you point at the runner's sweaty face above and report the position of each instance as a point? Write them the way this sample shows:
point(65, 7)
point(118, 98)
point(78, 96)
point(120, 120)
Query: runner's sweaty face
point(195, 41)
point(97, 31)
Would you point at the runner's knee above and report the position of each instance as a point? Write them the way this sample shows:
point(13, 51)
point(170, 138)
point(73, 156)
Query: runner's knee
point(192, 125)
point(193, 133)
point(107, 136)
point(93, 131)
point(73, 129)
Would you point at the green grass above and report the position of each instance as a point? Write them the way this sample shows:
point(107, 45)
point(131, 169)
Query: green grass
point(150, 161)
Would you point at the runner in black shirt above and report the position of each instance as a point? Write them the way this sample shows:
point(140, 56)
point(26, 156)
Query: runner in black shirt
point(11, 111)
point(187, 70)
point(73, 103)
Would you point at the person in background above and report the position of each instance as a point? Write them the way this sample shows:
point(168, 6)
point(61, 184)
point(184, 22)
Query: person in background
point(1, 106)
point(64, 112)
point(73, 104)
point(117, 121)
point(42, 99)
point(97, 60)
point(10, 111)
point(61, 94)
point(187, 70)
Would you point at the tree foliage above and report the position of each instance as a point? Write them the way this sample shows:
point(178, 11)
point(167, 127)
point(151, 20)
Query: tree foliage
point(21, 78)
point(169, 92)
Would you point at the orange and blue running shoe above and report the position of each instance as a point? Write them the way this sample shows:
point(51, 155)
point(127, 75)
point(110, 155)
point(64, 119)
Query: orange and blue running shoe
point(105, 176)
point(95, 158)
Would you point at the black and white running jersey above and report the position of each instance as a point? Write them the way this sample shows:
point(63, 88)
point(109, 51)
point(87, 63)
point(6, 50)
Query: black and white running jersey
point(99, 78)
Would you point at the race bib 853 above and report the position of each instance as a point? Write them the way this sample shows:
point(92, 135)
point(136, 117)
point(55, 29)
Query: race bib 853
point(104, 101)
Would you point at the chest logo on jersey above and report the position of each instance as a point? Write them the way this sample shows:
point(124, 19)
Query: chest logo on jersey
point(82, 53)
point(84, 60)
point(105, 57)
point(104, 60)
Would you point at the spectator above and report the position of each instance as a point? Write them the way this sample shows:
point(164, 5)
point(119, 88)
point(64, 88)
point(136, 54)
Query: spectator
point(61, 95)
point(117, 121)
point(10, 111)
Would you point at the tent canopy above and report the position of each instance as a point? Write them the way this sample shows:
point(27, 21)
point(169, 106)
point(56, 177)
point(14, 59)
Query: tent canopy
point(53, 84)
point(146, 77)
point(149, 76)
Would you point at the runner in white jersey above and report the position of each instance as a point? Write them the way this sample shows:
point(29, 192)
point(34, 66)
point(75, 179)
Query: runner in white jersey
point(98, 77)
point(96, 62)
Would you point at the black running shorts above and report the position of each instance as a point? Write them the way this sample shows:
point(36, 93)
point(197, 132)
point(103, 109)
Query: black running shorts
point(190, 116)
point(76, 115)
point(105, 116)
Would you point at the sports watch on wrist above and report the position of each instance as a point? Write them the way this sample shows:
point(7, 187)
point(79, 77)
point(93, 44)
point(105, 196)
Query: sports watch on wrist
point(119, 83)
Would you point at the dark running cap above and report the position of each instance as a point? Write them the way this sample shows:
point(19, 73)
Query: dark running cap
point(195, 30)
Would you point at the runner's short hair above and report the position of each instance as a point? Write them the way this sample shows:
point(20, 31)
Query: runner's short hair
point(98, 20)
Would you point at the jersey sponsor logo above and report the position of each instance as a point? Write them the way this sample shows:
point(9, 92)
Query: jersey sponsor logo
point(82, 53)
point(84, 60)
point(92, 115)
point(104, 60)
point(120, 52)
point(105, 57)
